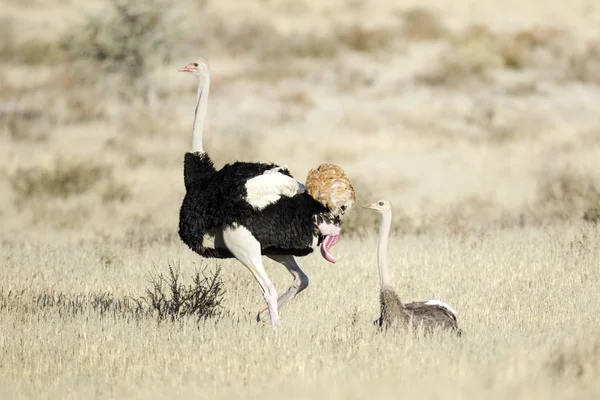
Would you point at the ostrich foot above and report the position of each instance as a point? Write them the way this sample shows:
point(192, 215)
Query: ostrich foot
point(262, 316)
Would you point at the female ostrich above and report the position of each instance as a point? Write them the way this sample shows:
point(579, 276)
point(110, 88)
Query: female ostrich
point(255, 209)
point(430, 314)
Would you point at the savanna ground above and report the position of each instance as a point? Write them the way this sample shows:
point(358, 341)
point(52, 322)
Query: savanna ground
point(478, 120)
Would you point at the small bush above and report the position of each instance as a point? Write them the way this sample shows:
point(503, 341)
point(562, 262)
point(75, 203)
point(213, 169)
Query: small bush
point(116, 192)
point(134, 39)
point(473, 53)
point(30, 51)
point(580, 362)
point(566, 194)
point(63, 179)
point(172, 300)
point(421, 24)
point(360, 38)
point(585, 66)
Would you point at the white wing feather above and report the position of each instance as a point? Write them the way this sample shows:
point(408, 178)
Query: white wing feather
point(440, 303)
point(269, 187)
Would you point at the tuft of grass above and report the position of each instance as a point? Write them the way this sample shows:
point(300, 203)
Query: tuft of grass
point(172, 300)
point(25, 301)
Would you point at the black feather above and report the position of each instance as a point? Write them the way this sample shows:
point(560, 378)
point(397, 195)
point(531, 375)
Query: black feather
point(216, 199)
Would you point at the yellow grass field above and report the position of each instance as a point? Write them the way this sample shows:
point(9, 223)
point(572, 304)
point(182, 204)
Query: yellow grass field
point(478, 120)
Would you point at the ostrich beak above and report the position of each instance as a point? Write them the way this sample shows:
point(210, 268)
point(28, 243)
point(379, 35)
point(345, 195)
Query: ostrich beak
point(371, 206)
point(187, 68)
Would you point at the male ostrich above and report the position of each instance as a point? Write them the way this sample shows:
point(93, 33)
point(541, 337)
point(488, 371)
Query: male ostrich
point(255, 209)
point(429, 314)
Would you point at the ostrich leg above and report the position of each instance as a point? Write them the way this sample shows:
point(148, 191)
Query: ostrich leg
point(246, 249)
point(299, 283)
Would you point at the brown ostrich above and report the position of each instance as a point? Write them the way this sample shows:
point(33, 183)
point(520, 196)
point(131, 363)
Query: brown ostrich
point(430, 315)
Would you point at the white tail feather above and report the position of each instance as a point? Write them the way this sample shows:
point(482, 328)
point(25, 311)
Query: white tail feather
point(441, 304)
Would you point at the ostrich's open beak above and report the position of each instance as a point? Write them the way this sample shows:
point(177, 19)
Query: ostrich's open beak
point(187, 68)
point(326, 245)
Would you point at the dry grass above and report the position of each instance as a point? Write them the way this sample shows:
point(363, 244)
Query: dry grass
point(78, 335)
point(447, 111)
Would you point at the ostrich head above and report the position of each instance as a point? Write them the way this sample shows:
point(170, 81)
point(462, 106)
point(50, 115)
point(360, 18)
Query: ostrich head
point(198, 68)
point(382, 206)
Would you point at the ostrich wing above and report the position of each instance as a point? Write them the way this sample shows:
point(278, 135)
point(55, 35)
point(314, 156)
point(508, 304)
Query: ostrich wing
point(270, 186)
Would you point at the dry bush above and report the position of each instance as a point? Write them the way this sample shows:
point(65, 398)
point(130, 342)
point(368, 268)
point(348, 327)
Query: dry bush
point(167, 298)
point(472, 54)
point(116, 192)
point(62, 180)
point(579, 363)
point(585, 66)
point(22, 124)
point(421, 24)
point(52, 196)
point(133, 40)
point(28, 51)
point(566, 194)
point(360, 38)
point(172, 300)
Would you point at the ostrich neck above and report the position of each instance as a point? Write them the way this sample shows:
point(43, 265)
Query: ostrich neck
point(382, 245)
point(200, 113)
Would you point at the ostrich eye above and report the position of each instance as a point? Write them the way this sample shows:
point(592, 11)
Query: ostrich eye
point(343, 208)
point(195, 64)
point(381, 203)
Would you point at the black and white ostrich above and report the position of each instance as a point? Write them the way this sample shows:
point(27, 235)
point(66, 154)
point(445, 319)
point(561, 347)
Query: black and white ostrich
point(251, 209)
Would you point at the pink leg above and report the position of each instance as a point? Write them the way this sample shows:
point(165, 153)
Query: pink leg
point(299, 283)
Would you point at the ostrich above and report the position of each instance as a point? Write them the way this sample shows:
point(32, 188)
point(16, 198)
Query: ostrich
point(255, 209)
point(430, 314)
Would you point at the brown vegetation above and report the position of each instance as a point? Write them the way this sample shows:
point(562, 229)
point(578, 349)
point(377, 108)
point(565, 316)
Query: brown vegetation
point(481, 129)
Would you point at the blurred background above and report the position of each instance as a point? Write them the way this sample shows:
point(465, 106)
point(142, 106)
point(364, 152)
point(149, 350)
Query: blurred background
point(465, 114)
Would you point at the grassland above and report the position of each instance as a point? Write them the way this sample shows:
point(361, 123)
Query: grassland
point(478, 120)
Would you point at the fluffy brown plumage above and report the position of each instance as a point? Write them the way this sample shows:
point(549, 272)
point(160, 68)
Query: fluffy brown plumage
point(330, 186)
